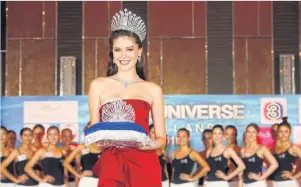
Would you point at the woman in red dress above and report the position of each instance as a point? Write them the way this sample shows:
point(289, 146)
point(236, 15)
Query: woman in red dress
point(119, 107)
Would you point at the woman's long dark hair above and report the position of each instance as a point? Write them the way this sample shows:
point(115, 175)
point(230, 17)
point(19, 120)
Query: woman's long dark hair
point(112, 67)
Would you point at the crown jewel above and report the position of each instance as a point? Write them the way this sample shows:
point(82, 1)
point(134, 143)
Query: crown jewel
point(118, 110)
point(126, 20)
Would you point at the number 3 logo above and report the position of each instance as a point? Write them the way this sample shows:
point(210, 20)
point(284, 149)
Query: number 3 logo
point(273, 111)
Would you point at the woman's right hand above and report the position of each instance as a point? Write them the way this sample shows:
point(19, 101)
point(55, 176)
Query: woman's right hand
point(2, 177)
point(49, 179)
point(186, 177)
point(221, 175)
point(86, 173)
point(255, 176)
point(22, 178)
point(102, 144)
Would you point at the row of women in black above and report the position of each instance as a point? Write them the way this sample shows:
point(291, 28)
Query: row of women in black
point(223, 166)
point(48, 161)
point(29, 166)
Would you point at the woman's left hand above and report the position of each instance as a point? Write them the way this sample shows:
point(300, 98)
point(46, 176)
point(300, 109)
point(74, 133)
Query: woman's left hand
point(254, 176)
point(186, 177)
point(287, 175)
point(221, 175)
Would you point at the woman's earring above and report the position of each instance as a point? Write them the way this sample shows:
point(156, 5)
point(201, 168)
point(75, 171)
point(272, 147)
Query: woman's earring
point(139, 58)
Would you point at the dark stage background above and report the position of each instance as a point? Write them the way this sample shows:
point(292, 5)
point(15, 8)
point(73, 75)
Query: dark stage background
point(192, 47)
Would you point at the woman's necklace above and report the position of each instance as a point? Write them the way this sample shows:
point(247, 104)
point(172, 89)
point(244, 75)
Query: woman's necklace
point(126, 83)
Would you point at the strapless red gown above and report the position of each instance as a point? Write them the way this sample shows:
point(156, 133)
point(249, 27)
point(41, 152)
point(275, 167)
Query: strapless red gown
point(130, 167)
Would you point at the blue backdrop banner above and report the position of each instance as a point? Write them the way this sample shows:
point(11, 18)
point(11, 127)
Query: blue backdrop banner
point(194, 112)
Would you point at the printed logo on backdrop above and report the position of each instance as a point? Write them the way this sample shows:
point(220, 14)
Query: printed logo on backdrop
point(265, 137)
point(272, 110)
point(205, 111)
point(50, 112)
point(73, 128)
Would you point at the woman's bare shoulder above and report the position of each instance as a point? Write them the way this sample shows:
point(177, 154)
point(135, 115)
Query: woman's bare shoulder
point(151, 84)
point(153, 87)
point(99, 82)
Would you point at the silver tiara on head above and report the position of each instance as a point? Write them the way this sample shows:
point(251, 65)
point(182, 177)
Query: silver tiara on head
point(126, 20)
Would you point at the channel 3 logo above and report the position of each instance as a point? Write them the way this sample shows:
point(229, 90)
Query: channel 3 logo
point(272, 110)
